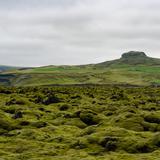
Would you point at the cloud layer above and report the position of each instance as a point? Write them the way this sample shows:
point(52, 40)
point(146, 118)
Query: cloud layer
point(44, 32)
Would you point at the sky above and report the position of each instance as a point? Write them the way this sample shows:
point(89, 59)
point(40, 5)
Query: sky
point(69, 32)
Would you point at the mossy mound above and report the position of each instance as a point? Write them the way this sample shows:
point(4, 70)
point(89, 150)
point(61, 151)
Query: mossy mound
point(80, 123)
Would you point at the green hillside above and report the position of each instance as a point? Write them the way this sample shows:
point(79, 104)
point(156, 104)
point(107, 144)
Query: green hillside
point(132, 68)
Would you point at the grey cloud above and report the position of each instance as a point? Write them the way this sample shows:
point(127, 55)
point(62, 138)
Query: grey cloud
point(44, 32)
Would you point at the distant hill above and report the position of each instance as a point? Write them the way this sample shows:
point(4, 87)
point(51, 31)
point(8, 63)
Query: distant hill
point(134, 68)
point(5, 68)
point(132, 58)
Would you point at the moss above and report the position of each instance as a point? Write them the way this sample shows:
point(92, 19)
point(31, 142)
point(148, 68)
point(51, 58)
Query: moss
point(152, 118)
point(140, 147)
point(24, 123)
point(125, 127)
point(12, 101)
point(17, 115)
point(79, 144)
point(89, 117)
point(39, 124)
point(130, 122)
point(6, 123)
point(109, 143)
point(64, 107)
point(45, 99)
point(89, 130)
point(156, 139)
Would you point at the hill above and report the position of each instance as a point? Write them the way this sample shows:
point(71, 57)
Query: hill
point(132, 58)
point(97, 122)
point(5, 68)
point(133, 67)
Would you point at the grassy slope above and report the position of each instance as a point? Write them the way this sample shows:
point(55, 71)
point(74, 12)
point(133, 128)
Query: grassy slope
point(133, 68)
point(140, 75)
point(86, 123)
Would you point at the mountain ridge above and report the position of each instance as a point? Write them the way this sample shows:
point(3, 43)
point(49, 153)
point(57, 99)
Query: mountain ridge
point(134, 68)
point(132, 58)
point(127, 57)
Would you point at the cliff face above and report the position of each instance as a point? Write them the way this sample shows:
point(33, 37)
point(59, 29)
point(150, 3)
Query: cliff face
point(135, 58)
point(134, 54)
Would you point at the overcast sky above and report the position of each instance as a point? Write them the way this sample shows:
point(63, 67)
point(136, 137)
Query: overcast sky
point(45, 32)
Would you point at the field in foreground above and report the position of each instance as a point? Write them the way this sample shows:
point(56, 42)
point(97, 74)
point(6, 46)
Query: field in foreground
point(80, 123)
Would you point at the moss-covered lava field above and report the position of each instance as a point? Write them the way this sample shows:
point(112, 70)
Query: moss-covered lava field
point(80, 123)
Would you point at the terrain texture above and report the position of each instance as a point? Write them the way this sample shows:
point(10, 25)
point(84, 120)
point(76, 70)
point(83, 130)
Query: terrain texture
point(80, 123)
point(105, 111)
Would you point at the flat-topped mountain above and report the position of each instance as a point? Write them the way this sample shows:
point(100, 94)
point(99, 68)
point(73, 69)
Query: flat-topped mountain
point(132, 58)
point(134, 54)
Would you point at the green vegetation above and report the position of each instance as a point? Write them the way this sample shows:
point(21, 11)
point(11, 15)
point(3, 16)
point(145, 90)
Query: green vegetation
point(136, 75)
point(96, 112)
point(132, 68)
point(80, 123)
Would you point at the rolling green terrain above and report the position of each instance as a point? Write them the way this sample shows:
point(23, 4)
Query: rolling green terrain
point(105, 111)
point(80, 123)
point(132, 68)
